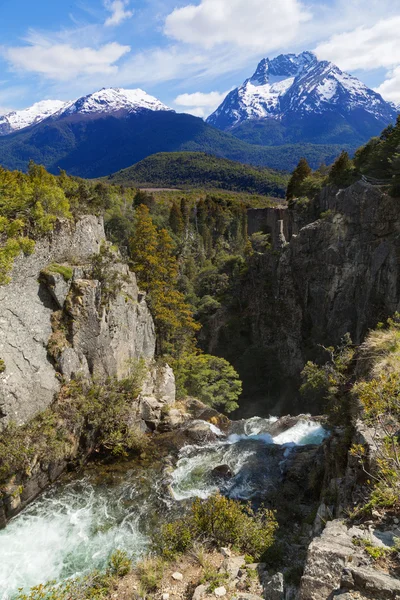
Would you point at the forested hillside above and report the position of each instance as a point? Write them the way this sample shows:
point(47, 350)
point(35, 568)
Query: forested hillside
point(200, 170)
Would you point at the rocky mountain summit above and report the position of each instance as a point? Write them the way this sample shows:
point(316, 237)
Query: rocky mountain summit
point(107, 101)
point(19, 119)
point(295, 90)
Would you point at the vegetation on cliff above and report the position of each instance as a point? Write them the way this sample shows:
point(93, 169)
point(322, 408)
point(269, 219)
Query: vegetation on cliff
point(98, 414)
point(364, 383)
point(378, 161)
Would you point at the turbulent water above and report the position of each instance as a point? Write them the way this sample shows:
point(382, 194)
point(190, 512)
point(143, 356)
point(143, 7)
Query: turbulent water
point(74, 527)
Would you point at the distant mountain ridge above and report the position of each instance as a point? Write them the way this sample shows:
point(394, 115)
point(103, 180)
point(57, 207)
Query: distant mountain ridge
point(113, 128)
point(298, 98)
point(105, 101)
point(19, 119)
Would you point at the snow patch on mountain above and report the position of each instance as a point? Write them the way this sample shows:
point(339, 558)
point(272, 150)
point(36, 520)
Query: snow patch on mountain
point(113, 100)
point(19, 119)
point(297, 84)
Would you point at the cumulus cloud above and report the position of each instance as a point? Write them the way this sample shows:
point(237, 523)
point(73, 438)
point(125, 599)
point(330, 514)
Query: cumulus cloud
point(118, 10)
point(63, 61)
point(364, 47)
point(390, 88)
point(200, 104)
point(256, 24)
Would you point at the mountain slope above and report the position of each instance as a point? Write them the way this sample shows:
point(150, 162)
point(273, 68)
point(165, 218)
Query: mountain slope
point(297, 98)
point(95, 146)
point(197, 169)
point(36, 113)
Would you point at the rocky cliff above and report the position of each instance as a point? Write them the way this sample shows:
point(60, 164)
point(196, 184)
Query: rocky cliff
point(331, 270)
point(101, 335)
point(72, 311)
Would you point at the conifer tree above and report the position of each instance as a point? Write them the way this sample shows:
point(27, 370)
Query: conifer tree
point(176, 219)
point(155, 264)
point(302, 171)
point(341, 170)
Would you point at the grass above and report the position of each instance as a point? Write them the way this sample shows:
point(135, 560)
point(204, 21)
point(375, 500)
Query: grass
point(381, 350)
point(64, 270)
point(150, 572)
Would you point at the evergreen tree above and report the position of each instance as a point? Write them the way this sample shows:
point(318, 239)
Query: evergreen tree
point(155, 264)
point(342, 170)
point(176, 219)
point(302, 171)
point(143, 248)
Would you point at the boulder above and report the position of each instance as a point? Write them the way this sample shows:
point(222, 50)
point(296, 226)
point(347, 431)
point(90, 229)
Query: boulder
point(222, 472)
point(274, 587)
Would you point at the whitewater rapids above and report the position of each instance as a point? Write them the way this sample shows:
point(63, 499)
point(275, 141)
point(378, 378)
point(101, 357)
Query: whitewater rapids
point(74, 527)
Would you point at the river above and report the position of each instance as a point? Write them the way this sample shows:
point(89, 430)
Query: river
point(75, 525)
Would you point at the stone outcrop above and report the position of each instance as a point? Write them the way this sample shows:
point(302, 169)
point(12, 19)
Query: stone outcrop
point(336, 566)
point(336, 274)
point(29, 382)
point(64, 316)
point(102, 336)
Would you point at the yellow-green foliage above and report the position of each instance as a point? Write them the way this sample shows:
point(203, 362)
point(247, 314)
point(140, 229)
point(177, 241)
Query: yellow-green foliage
point(64, 270)
point(2, 366)
point(326, 382)
point(380, 351)
point(156, 267)
point(219, 521)
point(150, 572)
point(29, 207)
point(379, 396)
point(94, 586)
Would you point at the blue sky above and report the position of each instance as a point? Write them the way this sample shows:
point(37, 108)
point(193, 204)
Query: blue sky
point(188, 53)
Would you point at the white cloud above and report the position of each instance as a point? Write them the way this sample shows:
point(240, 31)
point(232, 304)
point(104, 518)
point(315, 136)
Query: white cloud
point(200, 104)
point(257, 24)
point(118, 11)
point(390, 88)
point(63, 61)
point(364, 47)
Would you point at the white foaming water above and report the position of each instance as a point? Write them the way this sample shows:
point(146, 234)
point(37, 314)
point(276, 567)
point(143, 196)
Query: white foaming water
point(65, 534)
point(74, 528)
point(303, 433)
point(244, 454)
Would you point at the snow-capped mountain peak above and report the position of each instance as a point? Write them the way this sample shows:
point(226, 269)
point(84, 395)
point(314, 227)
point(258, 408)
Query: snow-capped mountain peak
point(297, 84)
point(113, 100)
point(19, 119)
point(105, 101)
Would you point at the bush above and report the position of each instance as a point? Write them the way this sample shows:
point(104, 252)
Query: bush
point(219, 521)
point(211, 379)
point(2, 366)
point(150, 572)
point(104, 409)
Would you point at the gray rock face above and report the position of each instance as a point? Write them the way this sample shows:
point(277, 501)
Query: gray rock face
point(335, 566)
point(337, 274)
point(29, 382)
point(104, 338)
point(108, 337)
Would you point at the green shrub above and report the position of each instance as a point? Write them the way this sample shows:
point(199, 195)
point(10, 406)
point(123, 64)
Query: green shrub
point(119, 563)
point(103, 408)
point(150, 572)
point(211, 379)
point(212, 578)
point(219, 521)
point(2, 366)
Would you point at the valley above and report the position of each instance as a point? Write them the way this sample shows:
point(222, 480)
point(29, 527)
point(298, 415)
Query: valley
point(199, 344)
